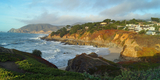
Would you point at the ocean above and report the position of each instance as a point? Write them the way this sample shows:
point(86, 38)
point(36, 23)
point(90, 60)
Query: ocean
point(53, 51)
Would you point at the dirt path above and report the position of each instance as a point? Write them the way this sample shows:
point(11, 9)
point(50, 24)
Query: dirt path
point(11, 66)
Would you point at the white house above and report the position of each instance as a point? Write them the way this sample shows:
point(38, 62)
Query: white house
point(138, 28)
point(150, 32)
point(103, 23)
point(86, 27)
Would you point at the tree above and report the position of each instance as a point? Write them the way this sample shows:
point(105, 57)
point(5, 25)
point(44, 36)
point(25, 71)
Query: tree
point(142, 32)
point(37, 53)
point(75, 28)
point(113, 21)
point(107, 20)
point(118, 22)
point(68, 26)
point(155, 19)
point(63, 32)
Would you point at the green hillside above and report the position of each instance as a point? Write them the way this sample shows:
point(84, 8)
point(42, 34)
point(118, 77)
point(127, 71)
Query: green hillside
point(25, 66)
point(38, 27)
point(35, 28)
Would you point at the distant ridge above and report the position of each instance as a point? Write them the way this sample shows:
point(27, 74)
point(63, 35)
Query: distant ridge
point(35, 28)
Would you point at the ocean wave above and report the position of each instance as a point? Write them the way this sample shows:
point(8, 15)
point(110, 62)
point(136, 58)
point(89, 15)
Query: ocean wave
point(57, 50)
point(4, 44)
point(36, 38)
point(50, 57)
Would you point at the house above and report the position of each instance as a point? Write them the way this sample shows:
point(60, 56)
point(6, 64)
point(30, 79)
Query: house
point(68, 29)
point(103, 23)
point(158, 24)
point(129, 25)
point(86, 27)
point(158, 33)
point(150, 32)
point(137, 28)
point(154, 22)
point(133, 27)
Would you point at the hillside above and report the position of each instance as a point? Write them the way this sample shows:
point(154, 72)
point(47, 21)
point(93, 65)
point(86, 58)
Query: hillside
point(18, 65)
point(35, 28)
point(109, 34)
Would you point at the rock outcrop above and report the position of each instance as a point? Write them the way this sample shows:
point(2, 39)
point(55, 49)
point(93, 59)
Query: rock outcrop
point(91, 63)
point(4, 50)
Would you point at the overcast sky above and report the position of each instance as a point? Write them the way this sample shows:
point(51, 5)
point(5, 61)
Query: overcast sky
point(17, 13)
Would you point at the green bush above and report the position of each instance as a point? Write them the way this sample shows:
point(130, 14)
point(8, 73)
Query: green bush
point(37, 52)
point(151, 74)
point(126, 29)
point(142, 32)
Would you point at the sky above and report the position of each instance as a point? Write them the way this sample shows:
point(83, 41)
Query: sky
point(18, 13)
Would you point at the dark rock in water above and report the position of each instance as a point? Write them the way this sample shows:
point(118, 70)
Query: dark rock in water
point(4, 50)
point(92, 64)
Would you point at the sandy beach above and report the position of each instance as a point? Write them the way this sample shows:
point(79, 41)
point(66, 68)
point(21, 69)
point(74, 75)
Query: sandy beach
point(114, 54)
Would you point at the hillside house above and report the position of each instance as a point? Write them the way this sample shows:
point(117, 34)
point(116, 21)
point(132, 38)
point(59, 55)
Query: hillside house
point(150, 32)
point(86, 27)
point(137, 28)
point(131, 27)
point(103, 23)
point(158, 24)
point(68, 29)
point(154, 22)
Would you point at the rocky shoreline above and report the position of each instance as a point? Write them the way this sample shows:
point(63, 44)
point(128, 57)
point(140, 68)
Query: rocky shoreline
point(81, 42)
point(131, 43)
point(114, 49)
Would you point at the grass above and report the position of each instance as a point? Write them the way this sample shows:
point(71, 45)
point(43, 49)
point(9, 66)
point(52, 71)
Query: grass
point(35, 70)
point(9, 57)
point(131, 65)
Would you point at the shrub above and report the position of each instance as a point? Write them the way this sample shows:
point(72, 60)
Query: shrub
point(126, 29)
point(37, 52)
point(142, 32)
point(151, 74)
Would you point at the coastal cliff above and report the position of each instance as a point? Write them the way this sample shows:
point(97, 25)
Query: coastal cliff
point(135, 46)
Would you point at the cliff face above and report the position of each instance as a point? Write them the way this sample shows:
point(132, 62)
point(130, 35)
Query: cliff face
point(35, 28)
point(134, 45)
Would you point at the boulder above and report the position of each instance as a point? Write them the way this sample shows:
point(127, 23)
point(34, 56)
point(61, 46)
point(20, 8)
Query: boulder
point(4, 50)
point(91, 64)
point(94, 55)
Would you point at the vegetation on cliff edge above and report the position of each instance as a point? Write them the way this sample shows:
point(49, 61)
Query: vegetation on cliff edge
point(36, 69)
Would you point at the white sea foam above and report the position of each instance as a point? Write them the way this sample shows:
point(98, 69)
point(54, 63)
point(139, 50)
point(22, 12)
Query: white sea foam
point(4, 44)
point(36, 38)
